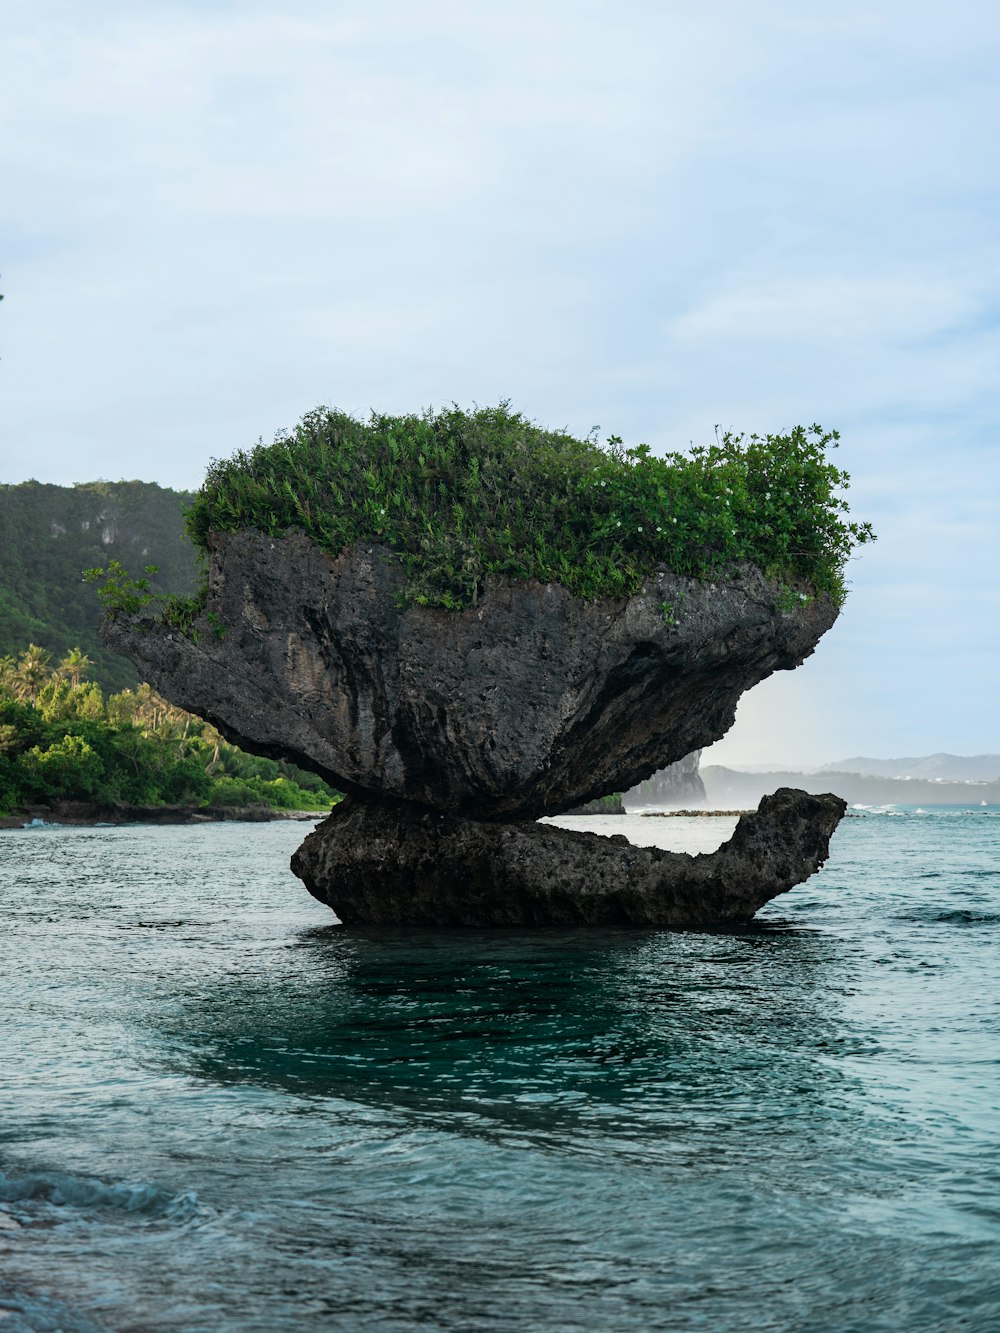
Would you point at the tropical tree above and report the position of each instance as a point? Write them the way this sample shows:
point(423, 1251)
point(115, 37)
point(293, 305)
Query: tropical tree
point(32, 672)
point(70, 764)
point(74, 666)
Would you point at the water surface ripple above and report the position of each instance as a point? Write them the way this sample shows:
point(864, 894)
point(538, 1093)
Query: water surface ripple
point(222, 1111)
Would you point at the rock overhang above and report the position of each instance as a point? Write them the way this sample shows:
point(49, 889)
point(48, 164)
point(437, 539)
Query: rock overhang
point(528, 703)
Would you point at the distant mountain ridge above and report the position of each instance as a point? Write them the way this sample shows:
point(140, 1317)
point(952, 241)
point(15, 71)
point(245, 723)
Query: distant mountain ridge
point(926, 768)
point(727, 788)
point(932, 767)
point(50, 534)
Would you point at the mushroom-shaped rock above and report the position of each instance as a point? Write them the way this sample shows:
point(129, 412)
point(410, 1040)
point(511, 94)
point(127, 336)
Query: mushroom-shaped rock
point(465, 622)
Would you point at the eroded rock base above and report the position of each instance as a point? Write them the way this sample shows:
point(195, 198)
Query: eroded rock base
point(382, 864)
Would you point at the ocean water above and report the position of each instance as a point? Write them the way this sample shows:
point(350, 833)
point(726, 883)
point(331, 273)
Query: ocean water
point(221, 1111)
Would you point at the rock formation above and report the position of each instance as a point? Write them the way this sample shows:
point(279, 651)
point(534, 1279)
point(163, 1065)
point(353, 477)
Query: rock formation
point(449, 730)
point(382, 865)
point(678, 786)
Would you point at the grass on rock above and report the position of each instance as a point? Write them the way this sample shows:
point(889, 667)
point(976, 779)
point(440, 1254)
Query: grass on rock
point(460, 496)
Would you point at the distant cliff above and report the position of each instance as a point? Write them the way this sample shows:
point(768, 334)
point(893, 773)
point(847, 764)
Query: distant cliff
point(50, 534)
point(678, 785)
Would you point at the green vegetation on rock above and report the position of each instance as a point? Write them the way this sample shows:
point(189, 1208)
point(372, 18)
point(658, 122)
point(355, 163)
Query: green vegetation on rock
point(62, 740)
point(459, 496)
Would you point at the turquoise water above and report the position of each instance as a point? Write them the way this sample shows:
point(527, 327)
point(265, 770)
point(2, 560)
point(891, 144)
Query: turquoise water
point(221, 1111)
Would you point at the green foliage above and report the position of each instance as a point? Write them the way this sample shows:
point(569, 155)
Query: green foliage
point(182, 612)
point(233, 792)
point(606, 805)
point(118, 591)
point(61, 740)
point(459, 496)
point(792, 599)
point(60, 701)
point(279, 793)
point(48, 534)
point(67, 764)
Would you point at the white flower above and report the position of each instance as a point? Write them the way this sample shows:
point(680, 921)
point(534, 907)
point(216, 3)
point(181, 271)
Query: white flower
point(640, 529)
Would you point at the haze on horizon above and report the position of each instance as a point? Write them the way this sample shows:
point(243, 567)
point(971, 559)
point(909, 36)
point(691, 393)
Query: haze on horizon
point(652, 217)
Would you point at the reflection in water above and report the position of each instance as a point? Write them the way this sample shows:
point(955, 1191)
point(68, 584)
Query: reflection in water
point(610, 1041)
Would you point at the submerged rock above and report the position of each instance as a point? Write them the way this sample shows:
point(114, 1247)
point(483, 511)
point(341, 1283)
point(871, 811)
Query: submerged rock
point(380, 864)
point(530, 703)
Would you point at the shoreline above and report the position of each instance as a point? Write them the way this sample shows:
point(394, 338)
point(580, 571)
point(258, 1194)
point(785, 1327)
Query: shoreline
point(693, 814)
point(84, 813)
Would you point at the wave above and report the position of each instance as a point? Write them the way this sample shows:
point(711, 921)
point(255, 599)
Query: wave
point(26, 1312)
point(925, 812)
point(65, 1190)
point(885, 808)
point(951, 916)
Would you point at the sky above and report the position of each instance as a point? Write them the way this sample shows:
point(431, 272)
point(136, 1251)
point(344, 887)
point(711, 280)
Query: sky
point(648, 216)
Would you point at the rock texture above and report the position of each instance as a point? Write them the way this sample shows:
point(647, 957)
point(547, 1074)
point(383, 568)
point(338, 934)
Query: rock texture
point(377, 864)
point(528, 704)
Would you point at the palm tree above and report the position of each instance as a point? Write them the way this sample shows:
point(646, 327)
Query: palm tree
point(74, 665)
point(31, 672)
point(151, 710)
point(212, 736)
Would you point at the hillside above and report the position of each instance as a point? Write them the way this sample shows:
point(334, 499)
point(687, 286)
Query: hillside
point(50, 534)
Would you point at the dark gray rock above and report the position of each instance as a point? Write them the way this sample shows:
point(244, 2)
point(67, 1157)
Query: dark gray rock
point(379, 864)
point(530, 703)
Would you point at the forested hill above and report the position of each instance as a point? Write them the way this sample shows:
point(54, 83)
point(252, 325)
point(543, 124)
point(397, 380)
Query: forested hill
point(50, 534)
